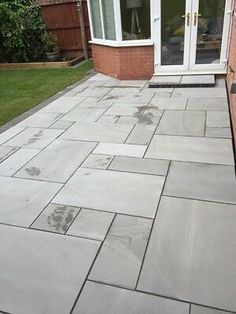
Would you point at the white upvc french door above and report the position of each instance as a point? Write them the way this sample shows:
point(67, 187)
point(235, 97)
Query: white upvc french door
point(191, 36)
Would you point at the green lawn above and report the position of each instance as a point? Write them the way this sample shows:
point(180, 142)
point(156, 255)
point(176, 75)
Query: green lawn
point(22, 89)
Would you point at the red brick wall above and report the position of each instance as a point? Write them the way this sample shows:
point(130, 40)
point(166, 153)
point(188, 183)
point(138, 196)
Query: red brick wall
point(232, 73)
point(125, 63)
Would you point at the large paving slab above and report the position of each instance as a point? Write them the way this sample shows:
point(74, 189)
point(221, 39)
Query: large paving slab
point(191, 253)
point(189, 123)
point(10, 133)
point(201, 181)
point(195, 309)
point(41, 120)
point(63, 104)
point(98, 132)
point(200, 92)
point(127, 193)
point(206, 103)
point(97, 161)
point(134, 110)
point(194, 149)
point(57, 162)
point(84, 115)
point(34, 138)
point(120, 149)
point(23, 200)
point(169, 103)
point(107, 299)
point(6, 151)
point(41, 272)
point(120, 258)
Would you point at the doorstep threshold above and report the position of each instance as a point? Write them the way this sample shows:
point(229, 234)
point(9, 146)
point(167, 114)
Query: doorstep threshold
point(170, 81)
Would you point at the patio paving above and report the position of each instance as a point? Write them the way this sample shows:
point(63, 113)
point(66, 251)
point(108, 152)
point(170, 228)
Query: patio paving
point(119, 199)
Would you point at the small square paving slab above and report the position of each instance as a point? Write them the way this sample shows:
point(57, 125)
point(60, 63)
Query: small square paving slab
point(195, 149)
point(140, 165)
point(91, 224)
point(120, 149)
point(141, 135)
point(191, 253)
point(41, 120)
point(56, 218)
point(84, 115)
point(206, 103)
point(169, 103)
point(218, 119)
point(42, 272)
point(120, 258)
point(23, 200)
point(107, 299)
point(195, 309)
point(201, 181)
point(219, 132)
point(34, 138)
point(128, 193)
point(63, 104)
point(98, 132)
point(10, 133)
point(189, 123)
point(6, 151)
point(17, 160)
point(97, 161)
point(57, 162)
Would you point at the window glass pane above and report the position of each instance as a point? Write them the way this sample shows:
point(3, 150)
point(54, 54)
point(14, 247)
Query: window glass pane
point(135, 17)
point(96, 18)
point(109, 19)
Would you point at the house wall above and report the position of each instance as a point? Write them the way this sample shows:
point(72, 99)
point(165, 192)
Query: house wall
point(232, 73)
point(124, 63)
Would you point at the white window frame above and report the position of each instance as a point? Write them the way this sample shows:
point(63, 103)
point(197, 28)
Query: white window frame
point(119, 42)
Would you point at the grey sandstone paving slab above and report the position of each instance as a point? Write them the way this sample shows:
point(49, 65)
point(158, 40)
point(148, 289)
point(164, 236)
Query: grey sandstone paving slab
point(140, 165)
point(131, 98)
point(124, 91)
point(127, 193)
point(133, 83)
point(107, 299)
point(42, 272)
point(141, 135)
point(201, 181)
point(195, 309)
point(169, 103)
point(41, 120)
point(6, 151)
point(34, 138)
point(198, 79)
point(23, 200)
point(98, 132)
point(10, 133)
point(55, 218)
point(88, 103)
point(120, 149)
point(95, 92)
point(189, 123)
point(97, 161)
point(91, 224)
point(63, 104)
point(133, 110)
point(61, 124)
point(218, 119)
point(120, 258)
point(147, 118)
point(200, 92)
point(165, 80)
point(17, 160)
point(108, 119)
point(84, 115)
point(219, 132)
point(208, 103)
point(191, 253)
point(57, 162)
point(195, 149)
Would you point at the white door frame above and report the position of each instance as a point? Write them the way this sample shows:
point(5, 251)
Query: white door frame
point(189, 66)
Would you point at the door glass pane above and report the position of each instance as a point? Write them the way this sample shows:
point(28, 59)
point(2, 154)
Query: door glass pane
point(172, 32)
point(109, 20)
point(96, 18)
point(210, 30)
point(135, 18)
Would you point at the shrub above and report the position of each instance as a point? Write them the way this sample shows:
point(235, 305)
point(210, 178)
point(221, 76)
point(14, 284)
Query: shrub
point(21, 31)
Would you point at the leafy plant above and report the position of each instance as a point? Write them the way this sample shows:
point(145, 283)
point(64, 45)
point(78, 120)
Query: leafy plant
point(50, 42)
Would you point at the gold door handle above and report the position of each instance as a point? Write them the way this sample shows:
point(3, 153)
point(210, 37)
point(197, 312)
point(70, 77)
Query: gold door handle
point(186, 16)
point(196, 16)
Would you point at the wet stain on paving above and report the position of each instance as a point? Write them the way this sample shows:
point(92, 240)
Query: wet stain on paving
point(33, 171)
point(61, 218)
point(35, 138)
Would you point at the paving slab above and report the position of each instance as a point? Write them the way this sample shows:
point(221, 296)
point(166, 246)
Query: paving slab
point(165, 80)
point(96, 92)
point(131, 97)
point(84, 115)
point(42, 272)
point(57, 162)
point(169, 103)
point(63, 104)
point(108, 119)
point(41, 120)
point(97, 161)
point(6, 151)
point(133, 83)
point(140, 165)
point(189, 123)
point(192, 244)
point(198, 80)
point(34, 138)
point(147, 118)
point(219, 132)
point(23, 200)
point(61, 125)
point(195, 149)
point(112, 191)
point(107, 299)
point(120, 258)
point(56, 218)
point(98, 132)
point(16, 161)
point(201, 181)
point(133, 110)
point(200, 92)
point(208, 103)
point(195, 309)
point(91, 224)
point(218, 119)
point(10, 133)
point(120, 149)
point(141, 135)
point(91, 103)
